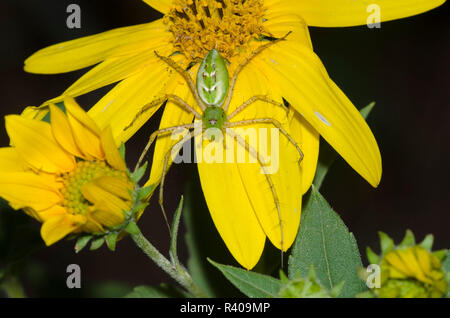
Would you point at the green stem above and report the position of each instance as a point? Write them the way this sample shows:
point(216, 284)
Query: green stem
point(178, 273)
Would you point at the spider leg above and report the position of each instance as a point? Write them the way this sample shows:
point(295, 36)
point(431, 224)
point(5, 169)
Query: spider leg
point(169, 97)
point(276, 200)
point(156, 134)
point(244, 63)
point(252, 100)
point(186, 77)
point(272, 121)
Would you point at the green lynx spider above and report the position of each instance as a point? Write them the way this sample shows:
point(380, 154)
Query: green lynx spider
point(213, 94)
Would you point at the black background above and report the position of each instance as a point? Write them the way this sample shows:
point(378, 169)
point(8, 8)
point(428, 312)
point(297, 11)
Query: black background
point(404, 67)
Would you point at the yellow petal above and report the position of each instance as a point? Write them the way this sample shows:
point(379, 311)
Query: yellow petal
point(301, 78)
point(56, 228)
point(32, 112)
point(424, 259)
point(232, 212)
point(54, 211)
point(309, 141)
point(92, 225)
point(85, 131)
point(112, 154)
point(35, 143)
point(162, 6)
point(26, 189)
point(279, 23)
point(342, 13)
point(120, 106)
point(80, 53)
point(116, 186)
point(10, 160)
point(115, 69)
point(63, 132)
point(410, 261)
point(396, 261)
point(106, 218)
point(108, 208)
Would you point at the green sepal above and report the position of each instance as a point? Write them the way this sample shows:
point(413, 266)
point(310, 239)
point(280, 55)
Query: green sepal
point(97, 243)
point(132, 228)
point(387, 244)
point(409, 240)
point(365, 112)
point(137, 175)
point(122, 151)
point(440, 254)
point(111, 240)
point(82, 242)
point(371, 256)
point(428, 242)
point(140, 207)
point(144, 192)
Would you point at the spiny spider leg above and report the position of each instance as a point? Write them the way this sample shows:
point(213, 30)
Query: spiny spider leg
point(276, 200)
point(244, 63)
point(169, 97)
point(186, 77)
point(272, 121)
point(252, 100)
point(156, 134)
point(177, 147)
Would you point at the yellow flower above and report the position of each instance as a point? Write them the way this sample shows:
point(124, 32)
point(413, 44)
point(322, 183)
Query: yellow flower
point(68, 174)
point(409, 270)
point(241, 208)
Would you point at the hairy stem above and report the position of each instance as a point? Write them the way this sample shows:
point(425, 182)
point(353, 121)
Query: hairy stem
point(177, 272)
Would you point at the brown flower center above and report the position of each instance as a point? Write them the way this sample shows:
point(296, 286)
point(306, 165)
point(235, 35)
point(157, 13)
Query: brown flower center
point(199, 26)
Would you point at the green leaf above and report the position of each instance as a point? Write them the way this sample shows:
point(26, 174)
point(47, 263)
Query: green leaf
point(161, 291)
point(175, 226)
point(97, 243)
point(325, 242)
point(328, 156)
point(252, 284)
point(82, 242)
point(111, 240)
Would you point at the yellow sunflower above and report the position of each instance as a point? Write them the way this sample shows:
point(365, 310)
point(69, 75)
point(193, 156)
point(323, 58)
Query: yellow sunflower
point(289, 70)
point(68, 175)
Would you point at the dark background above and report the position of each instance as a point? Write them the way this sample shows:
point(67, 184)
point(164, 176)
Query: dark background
point(404, 67)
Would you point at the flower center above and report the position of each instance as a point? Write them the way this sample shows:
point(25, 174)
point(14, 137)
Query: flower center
point(198, 26)
point(85, 172)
